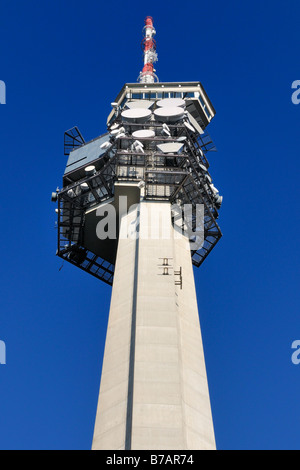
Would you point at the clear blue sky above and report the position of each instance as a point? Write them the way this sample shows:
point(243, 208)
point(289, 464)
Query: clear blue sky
point(63, 63)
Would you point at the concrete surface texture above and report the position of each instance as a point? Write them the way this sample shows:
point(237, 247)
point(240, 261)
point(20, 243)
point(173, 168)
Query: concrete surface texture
point(154, 392)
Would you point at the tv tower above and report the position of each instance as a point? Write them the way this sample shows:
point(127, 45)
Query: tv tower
point(137, 210)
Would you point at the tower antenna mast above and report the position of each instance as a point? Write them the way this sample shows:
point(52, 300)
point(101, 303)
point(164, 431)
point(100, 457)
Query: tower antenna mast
point(147, 75)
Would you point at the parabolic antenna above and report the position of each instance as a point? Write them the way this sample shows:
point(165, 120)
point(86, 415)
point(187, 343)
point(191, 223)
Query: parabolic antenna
point(90, 170)
point(136, 115)
point(170, 147)
point(105, 145)
point(194, 123)
point(115, 131)
point(202, 167)
point(169, 113)
point(189, 126)
point(137, 143)
point(143, 133)
point(171, 102)
point(146, 104)
point(166, 132)
point(214, 189)
point(121, 134)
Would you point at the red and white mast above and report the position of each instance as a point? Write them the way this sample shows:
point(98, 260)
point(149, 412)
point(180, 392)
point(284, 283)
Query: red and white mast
point(150, 56)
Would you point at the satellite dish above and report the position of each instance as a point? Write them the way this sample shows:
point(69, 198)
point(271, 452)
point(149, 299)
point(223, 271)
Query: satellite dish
point(54, 197)
point(137, 143)
point(114, 126)
point(136, 115)
point(141, 184)
point(219, 200)
point(171, 102)
point(115, 131)
point(146, 104)
point(170, 147)
point(144, 133)
point(139, 149)
point(189, 126)
point(214, 189)
point(169, 113)
point(84, 186)
point(166, 130)
point(137, 146)
point(71, 193)
point(114, 105)
point(105, 145)
point(181, 138)
point(90, 170)
point(194, 123)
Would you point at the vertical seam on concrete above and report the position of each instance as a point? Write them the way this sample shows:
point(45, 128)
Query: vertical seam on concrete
point(179, 335)
point(128, 429)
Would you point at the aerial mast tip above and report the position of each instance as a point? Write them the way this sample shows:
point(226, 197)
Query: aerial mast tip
point(150, 56)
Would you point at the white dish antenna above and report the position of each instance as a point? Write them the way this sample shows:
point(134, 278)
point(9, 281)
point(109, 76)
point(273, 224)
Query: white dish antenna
point(136, 115)
point(189, 126)
point(194, 123)
point(202, 167)
point(170, 147)
point(169, 113)
point(121, 134)
point(178, 102)
point(105, 145)
point(90, 170)
point(115, 131)
point(166, 130)
point(137, 143)
point(143, 133)
point(146, 104)
point(214, 189)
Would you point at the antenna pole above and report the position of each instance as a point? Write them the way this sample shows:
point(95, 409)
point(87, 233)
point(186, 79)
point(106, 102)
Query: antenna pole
point(150, 56)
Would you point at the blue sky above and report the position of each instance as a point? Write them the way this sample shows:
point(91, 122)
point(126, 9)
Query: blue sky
point(63, 63)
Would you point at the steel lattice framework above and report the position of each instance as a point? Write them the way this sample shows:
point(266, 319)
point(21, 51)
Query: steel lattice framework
point(181, 178)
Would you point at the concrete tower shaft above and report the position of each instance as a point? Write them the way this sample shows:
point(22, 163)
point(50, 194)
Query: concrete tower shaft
point(154, 392)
